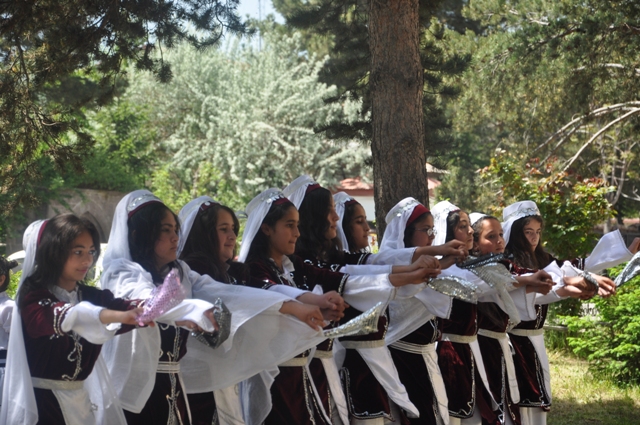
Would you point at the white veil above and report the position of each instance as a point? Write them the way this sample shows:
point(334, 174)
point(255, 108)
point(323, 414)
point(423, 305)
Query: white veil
point(188, 215)
point(297, 189)
point(256, 211)
point(515, 212)
point(341, 198)
point(440, 212)
point(396, 220)
point(18, 400)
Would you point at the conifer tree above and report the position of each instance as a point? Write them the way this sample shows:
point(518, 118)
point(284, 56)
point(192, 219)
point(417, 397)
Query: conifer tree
point(346, 27)
point(50, 48)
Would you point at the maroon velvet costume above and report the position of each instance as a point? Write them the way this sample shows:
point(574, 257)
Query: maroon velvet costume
point(414, 374)
point(203, 405)
point(292, 394)
point(366, 397)
point(167, 397)
point(492, 318)
point(465, 389)
point(533, 392)
point(54, 354)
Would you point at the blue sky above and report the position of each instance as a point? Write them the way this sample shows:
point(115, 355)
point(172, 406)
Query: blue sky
point(252, 8)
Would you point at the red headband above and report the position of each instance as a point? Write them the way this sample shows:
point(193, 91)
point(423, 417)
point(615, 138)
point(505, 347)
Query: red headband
point(280, 201)
point(44, 224)
point(351, 202)
point(139, 207)
point(312, 187)
point(417, 212)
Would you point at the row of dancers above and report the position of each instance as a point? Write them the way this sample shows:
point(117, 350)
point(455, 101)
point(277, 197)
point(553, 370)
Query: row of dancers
point(458, 336)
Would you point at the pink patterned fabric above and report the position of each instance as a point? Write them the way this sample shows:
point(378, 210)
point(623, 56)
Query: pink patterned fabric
point(163, 298)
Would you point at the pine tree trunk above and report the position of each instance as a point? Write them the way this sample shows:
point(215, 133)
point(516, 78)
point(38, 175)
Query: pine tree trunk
point(397, 145)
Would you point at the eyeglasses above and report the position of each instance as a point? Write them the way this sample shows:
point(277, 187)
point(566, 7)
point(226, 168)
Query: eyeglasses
point(430, 231)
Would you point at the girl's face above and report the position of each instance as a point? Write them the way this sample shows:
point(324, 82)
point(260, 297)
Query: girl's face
point(226, 235)
point(421, 235)
point(283, 236)
point(359, 228)
point(532, 231)
point(491, 240)
point(79, 261)
point(166, 247)
point(333, 219)
point(463, 231)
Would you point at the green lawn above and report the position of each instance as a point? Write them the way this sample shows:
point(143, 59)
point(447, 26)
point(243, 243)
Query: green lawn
point(579, 399)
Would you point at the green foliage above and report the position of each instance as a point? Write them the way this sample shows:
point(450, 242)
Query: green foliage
point(545, 81)
point(342, 28)
point(611, 341)
point(234, 122)
point(571, 205)
point(60, 56)
point(13, 285)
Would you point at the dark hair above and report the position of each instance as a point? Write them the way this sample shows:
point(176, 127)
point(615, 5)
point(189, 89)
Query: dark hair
point(453, 219)
point(202, 248)
point(259, 249)
point(54, 247)
point(347, 218)
point(520, 247)
point(145, 227)
point(477, 226)
point(5, 270)
point(314, 225)
point(411, 229)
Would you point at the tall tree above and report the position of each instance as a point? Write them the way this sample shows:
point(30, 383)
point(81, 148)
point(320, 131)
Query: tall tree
point(49, 46)
point(397, 143)
point(346, 25)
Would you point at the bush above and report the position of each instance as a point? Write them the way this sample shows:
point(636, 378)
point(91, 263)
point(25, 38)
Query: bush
point(611, 341)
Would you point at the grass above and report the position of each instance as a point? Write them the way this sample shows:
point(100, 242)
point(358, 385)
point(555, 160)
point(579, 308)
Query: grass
point(579, 399)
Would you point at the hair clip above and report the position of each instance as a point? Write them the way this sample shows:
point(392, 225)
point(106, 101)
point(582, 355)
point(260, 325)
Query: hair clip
point(140, 201)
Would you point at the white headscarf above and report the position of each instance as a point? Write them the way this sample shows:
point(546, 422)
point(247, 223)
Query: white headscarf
point(297, 189)
point(341, 198)
point(515, 212)
point(397, 223)
point(188, 215)
point(256, 211)
point(118, 247)
point(440, 212)
point(474, 217)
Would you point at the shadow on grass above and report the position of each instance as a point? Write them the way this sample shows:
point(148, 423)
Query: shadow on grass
point(622, 411)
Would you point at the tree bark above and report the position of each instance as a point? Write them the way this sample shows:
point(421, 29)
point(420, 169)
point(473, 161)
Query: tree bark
point(396, 84)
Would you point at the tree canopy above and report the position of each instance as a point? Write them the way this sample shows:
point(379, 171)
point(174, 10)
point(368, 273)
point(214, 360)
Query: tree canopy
point(60, 56)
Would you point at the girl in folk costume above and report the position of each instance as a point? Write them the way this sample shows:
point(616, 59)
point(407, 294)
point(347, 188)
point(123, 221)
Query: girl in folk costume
point(55, 374)
point(148, 369)
point(410, 224)
point(6, 309)
point(367, 357)
point(268, 246)
point(459, 357)
point(368, 367)
point(207, 245)
point(523, 227)
point(498, 313)
point(318, 240)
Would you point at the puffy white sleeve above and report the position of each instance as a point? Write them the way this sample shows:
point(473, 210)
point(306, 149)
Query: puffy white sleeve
point(609, 252)
point(360, 269)
point(127, 279)
point(399, 257)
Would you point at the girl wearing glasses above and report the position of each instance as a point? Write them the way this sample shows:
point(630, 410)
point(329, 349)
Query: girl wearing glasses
point(57, 336)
